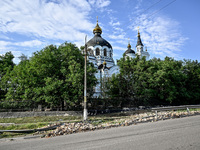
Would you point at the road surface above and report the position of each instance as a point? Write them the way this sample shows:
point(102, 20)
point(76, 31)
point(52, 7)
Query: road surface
point(173, 134)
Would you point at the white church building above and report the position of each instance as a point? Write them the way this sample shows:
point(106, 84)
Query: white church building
point(100, 53)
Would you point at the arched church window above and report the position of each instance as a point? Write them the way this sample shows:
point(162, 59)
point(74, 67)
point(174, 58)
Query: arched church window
point(110, 54)
point(97, 52)
point(105, 52)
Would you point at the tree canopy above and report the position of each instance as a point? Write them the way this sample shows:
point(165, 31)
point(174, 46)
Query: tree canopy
point(6, 66)
point(157, 82)
point(52, 76)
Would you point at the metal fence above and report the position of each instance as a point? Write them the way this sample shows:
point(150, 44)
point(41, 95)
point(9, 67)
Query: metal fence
point(170, 108)
point(142, 109)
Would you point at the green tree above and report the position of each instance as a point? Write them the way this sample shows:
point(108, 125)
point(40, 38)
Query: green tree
point(157, 82)
point(121, 86)
point(166, 81)
point(23, 58)
point(191, 72)
point(6, 66)
point(52, 76)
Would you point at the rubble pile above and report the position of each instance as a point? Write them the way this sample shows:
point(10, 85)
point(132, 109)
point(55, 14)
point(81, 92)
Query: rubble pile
point(70, 128)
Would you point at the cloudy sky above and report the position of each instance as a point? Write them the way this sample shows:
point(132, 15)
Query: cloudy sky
point(167, 27)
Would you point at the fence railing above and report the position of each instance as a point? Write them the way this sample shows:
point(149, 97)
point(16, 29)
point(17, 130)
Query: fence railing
point(175, 108)
point(142, 109)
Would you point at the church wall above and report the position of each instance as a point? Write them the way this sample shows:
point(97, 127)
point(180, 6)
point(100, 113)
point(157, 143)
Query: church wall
point(130, 55)
point(114, 70)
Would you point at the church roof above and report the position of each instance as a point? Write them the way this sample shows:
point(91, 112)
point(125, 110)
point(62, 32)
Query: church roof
point(129, 50)
point(139, 41)
point(97, 39)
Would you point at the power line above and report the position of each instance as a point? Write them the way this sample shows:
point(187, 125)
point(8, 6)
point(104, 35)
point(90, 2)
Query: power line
point(152, 6)
point(152, 13)
point(155, 12)
point(161, 9)
point(149, 7)
point(143, 12)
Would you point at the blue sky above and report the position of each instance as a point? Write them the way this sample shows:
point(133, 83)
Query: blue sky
point(167, 27)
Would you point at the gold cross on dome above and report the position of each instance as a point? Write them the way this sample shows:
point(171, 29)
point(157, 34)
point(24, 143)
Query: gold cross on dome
point(138, 28)
point(128, 40)
point(97, 18)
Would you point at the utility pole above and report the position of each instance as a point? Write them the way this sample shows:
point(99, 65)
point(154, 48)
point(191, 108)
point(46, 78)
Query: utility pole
point(85, 84)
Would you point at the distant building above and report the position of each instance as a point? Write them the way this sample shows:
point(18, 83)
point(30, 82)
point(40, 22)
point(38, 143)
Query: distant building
point(140, 52)
point(100, 53)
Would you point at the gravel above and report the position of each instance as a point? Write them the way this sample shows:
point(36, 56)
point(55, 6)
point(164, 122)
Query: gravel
point(71, 128)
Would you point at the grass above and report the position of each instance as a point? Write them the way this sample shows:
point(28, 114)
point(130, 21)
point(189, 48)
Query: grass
point(38, 119)
point(24, 126)
point(191, 109)
point(20, 127)
point(32, 123)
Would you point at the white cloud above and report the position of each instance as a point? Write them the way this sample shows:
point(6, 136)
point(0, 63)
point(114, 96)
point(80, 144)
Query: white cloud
point(118, 30)
point(116, 23)
point(112, 23)
point(100, 6)
point(65, 20)
point(6, 46)
point(120, 36)
point(100, 3)
point(4, 43)
point(29, 43)
point(161, 35)
point(51, 20)
point(123, 42)
point(91, 2)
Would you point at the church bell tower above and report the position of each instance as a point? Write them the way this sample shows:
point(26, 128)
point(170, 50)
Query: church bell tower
point(139, 45)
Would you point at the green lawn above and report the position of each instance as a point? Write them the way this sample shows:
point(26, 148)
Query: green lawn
point(32, 123)
point(38, 119)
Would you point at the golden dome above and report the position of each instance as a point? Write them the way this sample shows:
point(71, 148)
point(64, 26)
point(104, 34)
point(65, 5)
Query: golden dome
point(104, 63)
point(97, 29)
point(129, 50)
point(129, 45)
